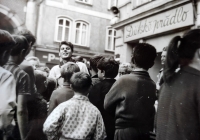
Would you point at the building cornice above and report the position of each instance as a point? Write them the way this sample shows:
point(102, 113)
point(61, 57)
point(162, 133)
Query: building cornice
point(160, 7)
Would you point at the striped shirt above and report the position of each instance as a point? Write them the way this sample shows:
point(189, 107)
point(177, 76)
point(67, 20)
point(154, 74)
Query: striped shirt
point(22, 79)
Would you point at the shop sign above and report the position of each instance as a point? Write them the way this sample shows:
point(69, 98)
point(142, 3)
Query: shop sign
point(47, 57)
point(173, 19)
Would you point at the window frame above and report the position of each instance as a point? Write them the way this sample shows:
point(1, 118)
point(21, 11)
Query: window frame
point(64, 18)
point(135, 3)
point(90, 2)
point(87, 32)
point(113, 37)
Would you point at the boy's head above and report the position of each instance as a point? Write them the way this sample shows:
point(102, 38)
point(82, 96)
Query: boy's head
point(68, 69)
point(29, 37)
point(6, 44)
point(81, 82)
point(34, 61)
point(144, 55)
point(108, 68)
point(93, 62)
point(21, 47)
point(40, 81)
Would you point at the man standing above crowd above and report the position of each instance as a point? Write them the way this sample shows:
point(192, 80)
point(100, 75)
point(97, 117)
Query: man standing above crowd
point(65, 52)
point(131, 98)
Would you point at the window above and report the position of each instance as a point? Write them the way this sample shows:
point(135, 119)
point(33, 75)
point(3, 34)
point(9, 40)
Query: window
point(81, 33)
point(112, 3)
point(63, 29)
point(85, 1)
point(137, 3)
point(110, 39)
point(57, 0)
point(75, 31)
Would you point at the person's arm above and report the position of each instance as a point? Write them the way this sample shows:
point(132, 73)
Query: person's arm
point(54, 122)
point(22, 115)
point(24, 92)
point(114, 96)
point(52, 103)
point(100, 132)
point(8, 96)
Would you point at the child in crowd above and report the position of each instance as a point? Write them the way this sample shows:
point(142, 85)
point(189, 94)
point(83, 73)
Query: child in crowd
point(107, 71)
point(65, 92)
point(93, 68)
point(76, 118)
point(38, 108)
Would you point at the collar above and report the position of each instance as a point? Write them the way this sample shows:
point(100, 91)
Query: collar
point(11, 63)
point(66, 84)
point(191, 70)
point(81, 97)
point(95, 76)
point(139, 69)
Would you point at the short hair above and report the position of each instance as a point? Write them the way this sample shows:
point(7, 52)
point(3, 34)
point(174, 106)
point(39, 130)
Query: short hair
point(80, 82)
point(94, 60)
point(33, 58)
point(144, 55)
point(51, 85)
point(21, 43)
point(43, 68)
point(110, 66)
point(68, 69)
point(68, 44)
point(40, 77)
point(78, 58)
point(7, 42)
point(28, 35)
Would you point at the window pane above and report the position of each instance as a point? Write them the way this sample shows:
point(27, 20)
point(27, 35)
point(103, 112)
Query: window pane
point(60, 28)
point(83, 39)
point(67, 23)
point(110, 32)
point(109, 43)
point(84, 27)
point(61, 22)
point(77, 36)
point(78, 25)
point(66, 34)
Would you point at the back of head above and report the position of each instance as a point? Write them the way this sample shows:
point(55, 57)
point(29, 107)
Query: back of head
point(6, 41)
point(81, 82)
point(94, 60)
point(68, 69)
point(51, 85)
point(6, 44)
point(21, 44)
point(28, 35)
point(110, 66)
point(181, 51)
point(78, 59)
point(144, 55)
point(40, 79)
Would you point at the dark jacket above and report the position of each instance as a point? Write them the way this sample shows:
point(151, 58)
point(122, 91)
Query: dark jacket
point(178, 116)
point(131, 99)
point(96, 96)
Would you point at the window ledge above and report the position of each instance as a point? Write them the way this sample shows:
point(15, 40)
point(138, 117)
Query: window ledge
point(81, 46)
point(109, 50)
point(90, 4)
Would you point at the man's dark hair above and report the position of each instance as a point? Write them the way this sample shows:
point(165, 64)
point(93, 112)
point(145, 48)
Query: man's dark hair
point(28, 35)
point(94, 60)
point(68, 44)
point(6, 41)
point(21, 43)
point(110, 66)
point(40, 78)
point(81, 82)
point(144, 55)
point(68, 69)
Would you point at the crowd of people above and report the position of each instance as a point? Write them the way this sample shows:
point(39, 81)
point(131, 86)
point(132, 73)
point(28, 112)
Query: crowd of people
point(100, 99)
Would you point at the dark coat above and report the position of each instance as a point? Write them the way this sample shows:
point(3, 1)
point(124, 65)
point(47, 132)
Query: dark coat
point(178, 115)
point(131, 99)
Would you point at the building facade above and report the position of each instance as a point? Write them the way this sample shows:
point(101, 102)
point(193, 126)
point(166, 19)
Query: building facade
point(85, 23)
point(155, 22)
